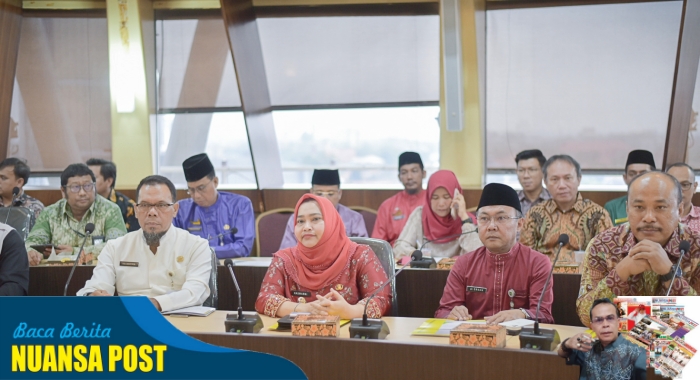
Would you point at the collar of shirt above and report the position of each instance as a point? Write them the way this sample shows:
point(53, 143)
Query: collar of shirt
point(693, 214)
point(503, 256)
point(544, 195)
point(551, 205)
point(113, 196)
point(671, 247)
point(67, 210)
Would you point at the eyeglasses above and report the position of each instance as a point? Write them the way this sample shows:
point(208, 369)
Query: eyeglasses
point(200, 188)
point(499, 220)
point(147, 206)
point(88, 187)
point(686, 185)
point(529, 171)
point(610, 318)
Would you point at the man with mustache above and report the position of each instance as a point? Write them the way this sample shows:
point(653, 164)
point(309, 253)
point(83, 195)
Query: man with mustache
point(611, 356)
point(637, 258)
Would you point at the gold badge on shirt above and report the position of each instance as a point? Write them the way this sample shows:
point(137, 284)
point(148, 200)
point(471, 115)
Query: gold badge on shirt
point(197, 222)
point(301, 300)
point(180, 259)
point(339, 287)
point(227, 227)
point(397, 214)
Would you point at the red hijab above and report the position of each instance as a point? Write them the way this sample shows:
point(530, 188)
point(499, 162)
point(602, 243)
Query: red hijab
point(316, 266)
point(435, 226)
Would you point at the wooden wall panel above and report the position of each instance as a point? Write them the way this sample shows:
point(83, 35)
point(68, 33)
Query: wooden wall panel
point(10, 26)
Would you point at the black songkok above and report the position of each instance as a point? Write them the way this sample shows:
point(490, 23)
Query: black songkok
point(407, 158)
point(640, 157)
point(498, 194)
point(325, 177)
point(197, 167)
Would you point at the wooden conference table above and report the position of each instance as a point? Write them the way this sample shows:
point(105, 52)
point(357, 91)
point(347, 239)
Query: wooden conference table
point(418, 290)
point(399, 356)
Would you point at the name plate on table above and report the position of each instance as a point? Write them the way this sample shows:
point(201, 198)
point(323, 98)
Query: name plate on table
point(571, 268)
point(316, 325)
point(480, 335)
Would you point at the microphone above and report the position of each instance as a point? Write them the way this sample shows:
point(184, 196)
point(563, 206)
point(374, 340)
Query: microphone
point(89, 228)
point(365, 328)
point(684, 247)
point(534, 338)
point(15, 193)
point(429, 262)
point(241, 323)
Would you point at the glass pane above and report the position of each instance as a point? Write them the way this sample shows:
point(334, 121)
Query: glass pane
point(195, 65)
point(590, 81)
point(343, 60)
point(222, 135)
point(694, 134)
point(60, 104)
point(364, 144)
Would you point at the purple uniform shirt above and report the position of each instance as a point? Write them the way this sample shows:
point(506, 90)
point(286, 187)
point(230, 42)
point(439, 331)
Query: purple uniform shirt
point(353, 221)
point(217, 222)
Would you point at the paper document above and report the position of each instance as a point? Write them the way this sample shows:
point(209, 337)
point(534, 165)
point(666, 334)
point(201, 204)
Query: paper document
point(197, 311)
point(61, 257)
point(522, 322)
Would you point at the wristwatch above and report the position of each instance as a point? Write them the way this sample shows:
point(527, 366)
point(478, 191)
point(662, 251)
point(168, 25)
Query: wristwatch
point(527, 316)
point(669, 276)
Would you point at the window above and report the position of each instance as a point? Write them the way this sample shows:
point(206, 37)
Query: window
point(198, 102)
point(364, 144)
point(590, 81)
point(694, 134)
point(60, 105)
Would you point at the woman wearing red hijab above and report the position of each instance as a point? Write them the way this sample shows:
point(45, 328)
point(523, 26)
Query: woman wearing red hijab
point(441, 219)
point(325, 273)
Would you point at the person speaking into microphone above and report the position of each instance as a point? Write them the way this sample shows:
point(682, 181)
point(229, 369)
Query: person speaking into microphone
point(325, 273)
point(165, 263)
point(502, 280)
point(442, 221)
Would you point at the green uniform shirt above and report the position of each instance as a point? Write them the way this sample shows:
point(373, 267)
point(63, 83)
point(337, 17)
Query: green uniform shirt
point(617, 208)
point(56, 225)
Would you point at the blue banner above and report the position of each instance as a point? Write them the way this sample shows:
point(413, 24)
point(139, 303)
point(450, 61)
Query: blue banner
point(115, 338)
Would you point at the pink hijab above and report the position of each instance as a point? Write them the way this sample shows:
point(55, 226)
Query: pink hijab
point(316, 266)
point(435, 226)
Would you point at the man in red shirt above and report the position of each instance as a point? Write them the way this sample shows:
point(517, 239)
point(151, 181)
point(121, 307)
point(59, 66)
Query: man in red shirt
point(393, 212)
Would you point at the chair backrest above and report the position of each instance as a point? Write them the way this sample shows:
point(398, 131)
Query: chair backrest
point(368, 214)
point(213, 299)
point(269, 230)
point(19, 218)
point(385, 254)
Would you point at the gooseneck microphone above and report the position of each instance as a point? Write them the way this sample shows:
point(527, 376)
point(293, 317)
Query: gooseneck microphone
point(417, 260)
point(240, 322)
point(543, 339)
point(684, 247)
point(89, 228)
point(376, 328)
point(15, 193)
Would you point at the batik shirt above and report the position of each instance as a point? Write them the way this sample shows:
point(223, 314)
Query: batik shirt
point(362, 276)
point(620, 360)
point(599, 279)
point(546, 221)
point(57, 225)
point(692, 220)
point(34, 205)
point(127, 206)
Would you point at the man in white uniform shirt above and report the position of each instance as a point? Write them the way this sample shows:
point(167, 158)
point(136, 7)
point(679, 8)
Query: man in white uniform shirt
point(167, 264)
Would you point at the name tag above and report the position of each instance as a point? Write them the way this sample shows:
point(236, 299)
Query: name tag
point(298, 293)
point(128, 263)
point(476, 289)
point(194, 228)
